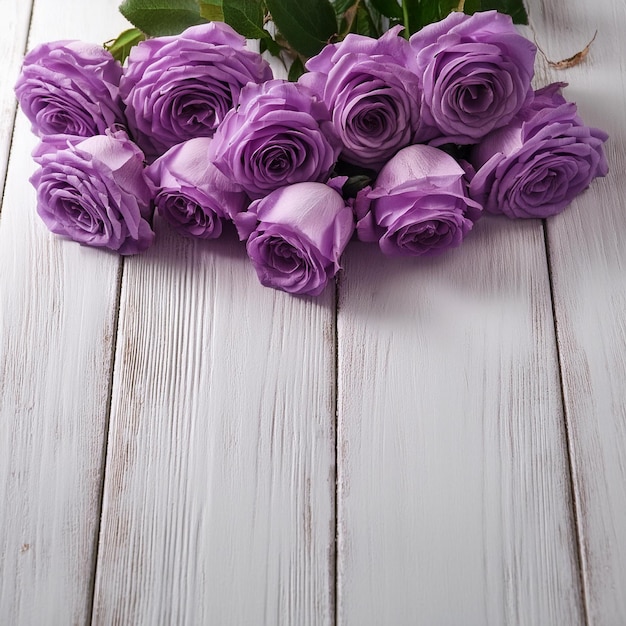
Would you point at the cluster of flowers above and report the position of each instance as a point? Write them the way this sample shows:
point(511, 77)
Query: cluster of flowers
point(442, 127)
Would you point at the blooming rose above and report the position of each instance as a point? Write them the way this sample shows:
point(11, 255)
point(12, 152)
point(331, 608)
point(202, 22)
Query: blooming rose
point(191, 193)
point(179, 87)
point(373, 98)
point(536, 165)
point(418, 205)
point(70, 87)
point(279, 135)
point(94, 191)
point(475, 73)
point(296, 235)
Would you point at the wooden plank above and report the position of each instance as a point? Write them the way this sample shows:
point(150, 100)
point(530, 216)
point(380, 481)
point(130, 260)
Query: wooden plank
point(588, 262)
point(454, 495)
point(57, 315)
point(13, 33)
point(219, 493)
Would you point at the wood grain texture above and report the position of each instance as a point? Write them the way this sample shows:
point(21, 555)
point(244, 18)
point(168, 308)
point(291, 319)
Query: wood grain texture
point(219, 493)
point(57, 313)
point(13, 33)
point(454, 495)
point(588, 262)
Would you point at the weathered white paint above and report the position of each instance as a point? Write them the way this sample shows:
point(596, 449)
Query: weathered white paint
point(455, 502)
point(588, 259)
point(454, 498)
point(220, 483)
point(57, 312)
point(13, 32)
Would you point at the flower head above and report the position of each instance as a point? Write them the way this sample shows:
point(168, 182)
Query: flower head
point(537, 164)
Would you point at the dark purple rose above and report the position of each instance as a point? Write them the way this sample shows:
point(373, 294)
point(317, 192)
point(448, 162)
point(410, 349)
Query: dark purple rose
point(475, 73)
point(94, 191)
point(180, 87)
point(71, 88)
point(373, 98)
point(191, 193)
point(279, 135)
point(418, 206)
point(296, 235)
point(540, 162)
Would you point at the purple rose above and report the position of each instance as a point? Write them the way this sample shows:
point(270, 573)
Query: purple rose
point(475, 73)
point(94, 191)
point(418, 206)
point(279, 135)
point(535, 166)
point(191, 193)
point(296, 235)
point(373, 98)
point(179, 87)
point(71, 88)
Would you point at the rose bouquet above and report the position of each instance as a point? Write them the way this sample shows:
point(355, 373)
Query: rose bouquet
point(401, 124)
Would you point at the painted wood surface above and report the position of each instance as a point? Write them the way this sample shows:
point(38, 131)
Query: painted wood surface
point(454, 500)
point(588, 263)
point(13, 33)
point(220, 481)
point(179, 466)
point(57, 316)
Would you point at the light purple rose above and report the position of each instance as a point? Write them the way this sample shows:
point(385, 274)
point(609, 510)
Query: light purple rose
point(179, 87)
point(94, 191)
point(279, 135)
point(192, 195)
point(419, 204)
point(373, 97)
point(540, 162)
point(71, 88)
point(475, 73)
point(296, 236)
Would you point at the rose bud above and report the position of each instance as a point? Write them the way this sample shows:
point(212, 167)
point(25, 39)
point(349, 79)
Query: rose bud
point(373, 98)
point(296, 236)
point(280, 134)
point(94, 191)
point(179, 87)
point(540, 162)
point(71, 88)
point(418, 206)
point(475, 74)
point(192, 195)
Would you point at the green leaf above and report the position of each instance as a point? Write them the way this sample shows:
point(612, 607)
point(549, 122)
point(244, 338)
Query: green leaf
point(388, 8)
point(422, 12)
point(211, 10)
point(364, 24)
point(341, 6)
point(162, 17)
point(120, 47)
point(308, 27)
point(514, 8)
point(296, 70)
point(246, 17)
point(354, 184)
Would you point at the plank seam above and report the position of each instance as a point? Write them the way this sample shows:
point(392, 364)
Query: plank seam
point(335, 576)
point(578, 529)
point(105, 445)
point(15, 108)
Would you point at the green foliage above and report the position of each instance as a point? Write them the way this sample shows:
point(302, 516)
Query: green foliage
point(388, 8)
point(308, 27)
point(304, 26)
point(514, 8)
point(162, 17)
point(212, 10)
point(120, 47)
point(296, 70)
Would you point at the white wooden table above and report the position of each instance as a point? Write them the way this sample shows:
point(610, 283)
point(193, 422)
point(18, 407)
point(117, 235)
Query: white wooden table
point(430, 442)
